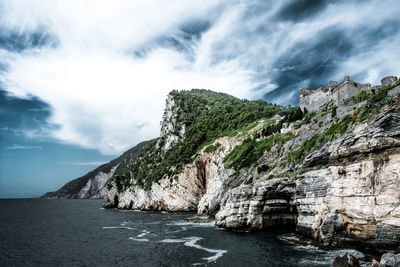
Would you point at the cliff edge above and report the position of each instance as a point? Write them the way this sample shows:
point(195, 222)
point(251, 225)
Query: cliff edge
point(329, 169)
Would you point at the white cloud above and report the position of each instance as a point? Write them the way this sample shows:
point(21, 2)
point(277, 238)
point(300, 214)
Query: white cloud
point(103, 97)
point(20, 147)
point(106, 98)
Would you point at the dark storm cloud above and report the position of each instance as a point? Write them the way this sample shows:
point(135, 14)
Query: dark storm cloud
point(194, 28)
point(17, 41)
point(299, 10)
point(251, 49)
point(22, 114)
point(182, 39)
point(310, 63)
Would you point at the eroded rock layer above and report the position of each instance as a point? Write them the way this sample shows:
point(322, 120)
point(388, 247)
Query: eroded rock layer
point(332, 175)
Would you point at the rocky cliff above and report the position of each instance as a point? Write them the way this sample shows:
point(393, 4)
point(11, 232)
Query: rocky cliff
point(331, 174)
point(92, 184)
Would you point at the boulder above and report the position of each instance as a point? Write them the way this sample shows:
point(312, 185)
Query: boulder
point(347, 260)
point(390, 260)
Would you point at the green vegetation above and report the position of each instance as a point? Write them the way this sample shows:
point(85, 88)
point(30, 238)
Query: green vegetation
point(207, 115)
point(375, 101)
point(212, 148)
point(247, 153)
point(270, 127)
point(338, 128)
point(309, 116)
point(333, 112)
point(263, 168)
point(319, 139)
point(361, 96)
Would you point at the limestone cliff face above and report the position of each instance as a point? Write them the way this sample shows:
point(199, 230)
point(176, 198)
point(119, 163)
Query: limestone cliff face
point(346, 193)
point(192, 190)
point(333, 176)
point(171, 129)
point(92, 184)
point(267, 204)
point(356, 196)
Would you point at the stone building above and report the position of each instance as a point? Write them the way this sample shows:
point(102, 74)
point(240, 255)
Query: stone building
point(337, 94)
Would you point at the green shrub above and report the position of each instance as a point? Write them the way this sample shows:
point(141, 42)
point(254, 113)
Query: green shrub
point(333, 113)
point(212, 148)
point(362, 96)
point(309, 116)
point(376, 101)
point(247, 153)
point(319, 139)
point(262, 168)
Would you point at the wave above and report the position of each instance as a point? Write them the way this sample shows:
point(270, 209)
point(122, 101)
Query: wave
point(144, 232)
point(192, 224)
point(139, 239)
point(118, 227)
point(192, 242)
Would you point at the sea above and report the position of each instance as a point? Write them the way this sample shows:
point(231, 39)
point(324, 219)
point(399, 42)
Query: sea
point(45, 232)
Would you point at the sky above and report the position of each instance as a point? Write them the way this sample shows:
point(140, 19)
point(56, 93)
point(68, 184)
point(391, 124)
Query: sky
point(83, 81)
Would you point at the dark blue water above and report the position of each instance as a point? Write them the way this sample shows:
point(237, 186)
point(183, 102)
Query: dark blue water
point(38, 232)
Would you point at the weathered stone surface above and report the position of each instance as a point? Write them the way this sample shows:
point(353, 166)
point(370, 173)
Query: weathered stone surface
point(266, 205)
point(390, 260)
point(394, 91)
point(169, 128)
point(389, 80)
point(343, 193)
point(194, 189)
point(92, 185)
point(346, 260)
point(353, 198)
point(374, 263)
point(336, 94)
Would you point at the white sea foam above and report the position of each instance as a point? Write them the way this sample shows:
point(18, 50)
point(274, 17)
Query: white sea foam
point(308, 262)
point(192, 224)
point(183, 228)
point(192, 242)
point(139, 239)
point(117, 227)
point(169, 240)
point(144, 232)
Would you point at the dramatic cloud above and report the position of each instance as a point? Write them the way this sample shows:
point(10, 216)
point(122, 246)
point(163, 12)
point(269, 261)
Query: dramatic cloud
point(105, 69)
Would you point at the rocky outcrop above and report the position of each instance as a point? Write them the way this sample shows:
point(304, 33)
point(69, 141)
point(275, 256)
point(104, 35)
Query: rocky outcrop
point(347, 193)
point(332, 176)
point(92, 184)
point(267, 204)
point(180, 194)
point(355, 199)
point(346, 260)
point(390, 260)
point(171, 128)
point(194, 188)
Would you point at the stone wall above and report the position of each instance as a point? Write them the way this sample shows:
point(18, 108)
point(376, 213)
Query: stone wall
point(314, 99)
point(337, 94)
